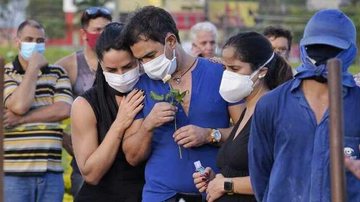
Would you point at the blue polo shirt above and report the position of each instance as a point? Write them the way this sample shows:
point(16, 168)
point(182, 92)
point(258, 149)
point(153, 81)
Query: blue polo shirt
point(289, 152)
point(165, 173)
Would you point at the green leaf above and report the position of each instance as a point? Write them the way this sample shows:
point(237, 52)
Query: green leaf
point(156, 97)
point(168, 97)
point(174, 91)
point(183, 94)
point(180, 96)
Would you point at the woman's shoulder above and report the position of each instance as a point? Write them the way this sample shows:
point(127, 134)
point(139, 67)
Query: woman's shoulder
point(90, 93)
point(91, 97)
point(80, 106)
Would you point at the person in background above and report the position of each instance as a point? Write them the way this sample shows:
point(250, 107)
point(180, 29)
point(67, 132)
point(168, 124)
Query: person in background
point(280, 39)
point(99, 119)
point(170, 147)
point(203, 39)
point(252, 69)
point(37, 96)
point(289, 141)
point(81, 67)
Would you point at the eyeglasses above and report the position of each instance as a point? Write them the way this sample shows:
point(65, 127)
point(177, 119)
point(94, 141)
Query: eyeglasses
point(97, 11)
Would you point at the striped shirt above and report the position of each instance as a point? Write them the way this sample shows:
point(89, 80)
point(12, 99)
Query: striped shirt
point(35, 148)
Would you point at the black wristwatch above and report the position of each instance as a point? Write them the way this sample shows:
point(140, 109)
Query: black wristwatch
point(229, 186)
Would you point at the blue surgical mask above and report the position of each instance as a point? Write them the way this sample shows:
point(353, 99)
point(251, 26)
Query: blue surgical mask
point(27, 49)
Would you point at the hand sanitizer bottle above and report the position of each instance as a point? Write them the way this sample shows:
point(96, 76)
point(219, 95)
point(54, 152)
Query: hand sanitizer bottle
point(199, 167)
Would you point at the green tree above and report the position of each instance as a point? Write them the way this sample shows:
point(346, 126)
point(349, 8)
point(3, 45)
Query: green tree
point(83, 4)
point(50, 14)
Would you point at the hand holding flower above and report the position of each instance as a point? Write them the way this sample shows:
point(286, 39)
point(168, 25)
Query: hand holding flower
point(161, 113)
point(174, 97)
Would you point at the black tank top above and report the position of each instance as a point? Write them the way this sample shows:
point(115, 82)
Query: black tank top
point(123, 182)
point(232, 159)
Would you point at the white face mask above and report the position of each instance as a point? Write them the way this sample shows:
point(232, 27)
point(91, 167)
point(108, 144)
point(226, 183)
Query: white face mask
point(160, 66)
point(235, 87)
point(123, 82)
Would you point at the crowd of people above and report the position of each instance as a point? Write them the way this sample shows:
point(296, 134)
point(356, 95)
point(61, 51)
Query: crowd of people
point(152, 122)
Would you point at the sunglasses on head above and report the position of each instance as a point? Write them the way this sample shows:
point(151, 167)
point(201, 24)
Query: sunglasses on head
point(97, 10)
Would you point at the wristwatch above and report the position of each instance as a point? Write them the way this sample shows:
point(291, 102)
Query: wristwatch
point(215, 136)
point(229, 186)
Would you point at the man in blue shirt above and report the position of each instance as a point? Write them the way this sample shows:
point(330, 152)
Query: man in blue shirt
point(171, 138)
point(289, 141)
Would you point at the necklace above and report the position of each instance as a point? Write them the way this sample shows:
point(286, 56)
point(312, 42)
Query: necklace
point(177, 79)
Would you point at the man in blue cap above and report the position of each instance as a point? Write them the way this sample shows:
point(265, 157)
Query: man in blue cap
point(289, 141)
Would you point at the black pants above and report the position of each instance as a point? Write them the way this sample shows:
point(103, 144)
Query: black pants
point(182, 197)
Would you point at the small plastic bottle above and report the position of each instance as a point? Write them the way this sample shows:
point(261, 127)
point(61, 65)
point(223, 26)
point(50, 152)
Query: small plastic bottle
point(199, 167)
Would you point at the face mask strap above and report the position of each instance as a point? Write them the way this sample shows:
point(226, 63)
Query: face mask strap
point(254, 73)
point(174, 56)
point(267, 61)
point(262, 66)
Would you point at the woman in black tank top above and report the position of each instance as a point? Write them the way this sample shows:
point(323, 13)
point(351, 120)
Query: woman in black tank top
point(99, 119)
point(252, 69)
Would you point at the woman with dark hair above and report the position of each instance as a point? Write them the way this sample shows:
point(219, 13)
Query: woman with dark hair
point(99, 119)
point(252, 69)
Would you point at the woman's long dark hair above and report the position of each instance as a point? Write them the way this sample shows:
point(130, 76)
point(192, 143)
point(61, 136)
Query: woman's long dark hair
point(256, 49)
point(110, 38)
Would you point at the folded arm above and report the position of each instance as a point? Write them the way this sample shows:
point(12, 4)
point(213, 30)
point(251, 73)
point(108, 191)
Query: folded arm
point(50, 113)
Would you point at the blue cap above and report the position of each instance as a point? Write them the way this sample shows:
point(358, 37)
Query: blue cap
point(331, 27)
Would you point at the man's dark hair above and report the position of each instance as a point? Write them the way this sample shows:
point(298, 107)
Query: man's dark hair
point(151, 23)
point(31, 23)
point(272, 31)
point(93, 13)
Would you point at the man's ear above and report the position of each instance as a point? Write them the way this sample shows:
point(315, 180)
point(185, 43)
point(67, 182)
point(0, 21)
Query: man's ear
point(171, 40)
point(83, 34)
point(17, 42)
